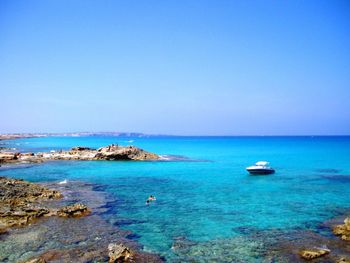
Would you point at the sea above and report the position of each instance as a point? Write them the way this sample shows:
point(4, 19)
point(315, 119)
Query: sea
point(208, 208)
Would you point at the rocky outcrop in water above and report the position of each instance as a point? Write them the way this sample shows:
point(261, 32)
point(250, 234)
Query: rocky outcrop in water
point(119, 253)
point(66, 239)
point(76, 210)
point(115, 253)
point(110, 153)
point(313, 253)
point(343, 230)
point(21, 203)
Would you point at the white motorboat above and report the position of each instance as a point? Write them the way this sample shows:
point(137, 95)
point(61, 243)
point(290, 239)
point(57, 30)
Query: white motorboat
point(261, 167)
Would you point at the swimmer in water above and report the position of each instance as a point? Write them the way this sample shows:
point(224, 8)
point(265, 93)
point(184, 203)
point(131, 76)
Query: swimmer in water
point(150, 199)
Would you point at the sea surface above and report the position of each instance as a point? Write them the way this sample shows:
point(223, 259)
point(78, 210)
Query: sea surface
point(207, 204)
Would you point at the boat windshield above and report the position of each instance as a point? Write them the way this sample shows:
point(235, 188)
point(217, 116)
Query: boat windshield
point(262, 163)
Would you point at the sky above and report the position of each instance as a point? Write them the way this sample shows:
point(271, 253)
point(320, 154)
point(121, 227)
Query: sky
point(180, 67)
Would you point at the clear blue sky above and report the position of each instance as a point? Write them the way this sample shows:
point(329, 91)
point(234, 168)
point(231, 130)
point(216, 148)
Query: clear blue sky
point(175, 67)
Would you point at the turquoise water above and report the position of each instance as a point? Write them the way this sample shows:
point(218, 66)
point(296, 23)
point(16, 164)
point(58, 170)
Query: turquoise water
point(208, 196)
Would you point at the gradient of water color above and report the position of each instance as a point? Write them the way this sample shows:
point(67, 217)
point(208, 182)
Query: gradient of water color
point(209, 196)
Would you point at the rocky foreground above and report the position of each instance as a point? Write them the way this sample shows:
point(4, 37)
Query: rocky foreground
point(25, 205)
point(341, 248)
point(22, 202)
point(110, 153)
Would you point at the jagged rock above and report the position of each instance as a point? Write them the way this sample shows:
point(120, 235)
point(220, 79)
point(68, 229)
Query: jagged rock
point(343, 260)
point(14, 191)
point(119, 253)
point(21, 216)
point(79, 148)
point(313, 253)
point(76, 210)
point(111, 152)
point(18, 202)
point(3, 230)
point(36, 260)
point(343, 230)
point(27, 154)
point(8, 157)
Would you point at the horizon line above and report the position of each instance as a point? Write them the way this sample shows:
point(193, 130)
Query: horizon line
point(67, 134)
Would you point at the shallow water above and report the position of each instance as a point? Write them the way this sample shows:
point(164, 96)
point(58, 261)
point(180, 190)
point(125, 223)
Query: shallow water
point(211, 198)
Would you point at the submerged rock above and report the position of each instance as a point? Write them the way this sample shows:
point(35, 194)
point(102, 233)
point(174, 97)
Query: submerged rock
point(66, 239)
point(310, 254)
point(119, 253)
point(343, 230)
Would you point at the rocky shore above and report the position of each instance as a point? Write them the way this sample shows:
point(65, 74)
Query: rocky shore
point(337, 249)
point(35, 227)
point(110, 153)
point(22, 202)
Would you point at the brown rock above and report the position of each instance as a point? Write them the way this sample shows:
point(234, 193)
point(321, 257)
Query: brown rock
point(18, 202)
point(111, 152)
point(26, 154)
point(119, 253)
point(80, 148)
point(8, 157)
point(76, 210)
point(35, 260)
point(3, 230)
point(343, 260)
point(343, 230)
point(313, 253)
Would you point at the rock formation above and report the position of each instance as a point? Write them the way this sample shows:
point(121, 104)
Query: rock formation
point(343, 260)
point(111, 153)
point(343, 230)
point(310, 254)
point(76, 210)
point(119, 253)
point(21, 202)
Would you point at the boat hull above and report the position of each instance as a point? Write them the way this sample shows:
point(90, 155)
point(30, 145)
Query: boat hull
point(261, 171)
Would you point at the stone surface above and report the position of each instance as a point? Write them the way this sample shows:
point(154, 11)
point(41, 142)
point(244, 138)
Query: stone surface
point(8, 157)
point(111, 153)
point(119, 253)
point(63, 239)
point(36, 260)
point(343, 260)
point(310, 254)
point(76, 210)
point(21, 203)
point(343, 230)
point(3, 230)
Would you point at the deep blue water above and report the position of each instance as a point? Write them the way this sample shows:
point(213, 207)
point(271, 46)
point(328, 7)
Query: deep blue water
point(210, 196)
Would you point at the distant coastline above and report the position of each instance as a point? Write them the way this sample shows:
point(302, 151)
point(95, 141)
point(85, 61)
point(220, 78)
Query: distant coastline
point(12, 136)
